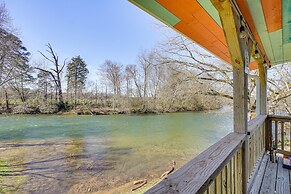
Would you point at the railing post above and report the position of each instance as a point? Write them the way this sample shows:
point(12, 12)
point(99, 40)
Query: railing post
point(268, 134)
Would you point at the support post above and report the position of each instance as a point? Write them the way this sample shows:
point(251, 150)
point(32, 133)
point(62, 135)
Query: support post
point(240, 50)
point(263, 104)
point(258, 96)
point(263, 89)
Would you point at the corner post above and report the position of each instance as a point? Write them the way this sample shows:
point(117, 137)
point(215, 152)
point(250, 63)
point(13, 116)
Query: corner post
point(240, 50)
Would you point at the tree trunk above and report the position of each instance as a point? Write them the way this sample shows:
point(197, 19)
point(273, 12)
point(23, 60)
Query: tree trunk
point(7, 101)
point(60, 92)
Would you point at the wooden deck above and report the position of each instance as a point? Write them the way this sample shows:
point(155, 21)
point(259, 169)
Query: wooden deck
point(272, 178)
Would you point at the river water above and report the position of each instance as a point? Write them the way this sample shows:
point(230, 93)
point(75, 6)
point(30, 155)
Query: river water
point(79, 154)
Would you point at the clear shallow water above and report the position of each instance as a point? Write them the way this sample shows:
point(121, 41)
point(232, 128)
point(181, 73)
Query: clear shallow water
point(78, 154)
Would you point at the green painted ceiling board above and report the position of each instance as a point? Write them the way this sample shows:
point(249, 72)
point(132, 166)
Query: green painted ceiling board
point(276, 41)
point(286, 21)
point(157, 10)
point(287, 52)
point(259, 19)
point(211, 10)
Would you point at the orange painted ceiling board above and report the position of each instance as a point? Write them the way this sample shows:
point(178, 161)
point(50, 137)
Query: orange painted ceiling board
point(253, 65)
point(183, 10)
point(202, 39)
point(198, 25)
point(273, 14)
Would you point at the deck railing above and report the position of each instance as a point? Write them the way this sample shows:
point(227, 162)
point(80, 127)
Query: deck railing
point(217, 169)
point(280, 133)
point(226, 167)
point(230, 165)
point(256, 144)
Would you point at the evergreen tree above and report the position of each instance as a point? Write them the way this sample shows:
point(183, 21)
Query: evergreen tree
point(76, 77)
point(14, 66)
point(14, 57)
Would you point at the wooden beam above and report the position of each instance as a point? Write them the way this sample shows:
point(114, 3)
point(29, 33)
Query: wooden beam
point(240, 50)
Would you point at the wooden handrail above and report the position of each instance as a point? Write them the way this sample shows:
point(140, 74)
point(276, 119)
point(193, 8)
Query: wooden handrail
point(256, 123)
point(197, 175)
point(279, 118)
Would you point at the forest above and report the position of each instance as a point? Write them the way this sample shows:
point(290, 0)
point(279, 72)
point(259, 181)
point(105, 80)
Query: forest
point(175, 76)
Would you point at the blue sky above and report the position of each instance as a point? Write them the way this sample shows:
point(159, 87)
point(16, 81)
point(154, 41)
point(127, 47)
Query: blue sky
point(95, 29)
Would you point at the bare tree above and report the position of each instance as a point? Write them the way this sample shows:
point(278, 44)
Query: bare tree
point(54, 72)
point(132, 71)
point(141, 73)
point(279, 84)
point(113, 73)
point(206, 68)
point(5, 20)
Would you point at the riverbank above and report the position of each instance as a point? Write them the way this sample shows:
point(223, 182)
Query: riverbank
point(85, 110)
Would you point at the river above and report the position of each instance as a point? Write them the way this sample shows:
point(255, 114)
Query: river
point(79, 154)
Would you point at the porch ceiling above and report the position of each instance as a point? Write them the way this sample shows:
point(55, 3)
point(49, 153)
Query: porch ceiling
point(268, 20)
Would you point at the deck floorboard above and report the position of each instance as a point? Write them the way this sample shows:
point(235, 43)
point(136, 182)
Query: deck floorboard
point(260, 176)
point(272, 178)
point(282, 184)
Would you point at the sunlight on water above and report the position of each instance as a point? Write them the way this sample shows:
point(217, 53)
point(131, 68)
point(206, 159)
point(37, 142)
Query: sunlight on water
point(77, 154)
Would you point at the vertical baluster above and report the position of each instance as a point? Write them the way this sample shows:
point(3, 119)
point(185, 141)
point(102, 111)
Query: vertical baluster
point(218, 184)
point(232, 170)
point(264, 128)
point(282, 135)
point(262, 137)
point(270, 135)
point(257, 144)
point(235, 174)
point(251, 154)
point(276, 134)
point(239, 172)
point(224, 181)
point(228, 177)
point(289, 136)
point(267, 133)
point(211, 189)
point(254, 150)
